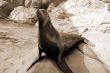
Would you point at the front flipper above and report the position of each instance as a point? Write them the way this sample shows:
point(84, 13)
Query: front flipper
point(37, 59)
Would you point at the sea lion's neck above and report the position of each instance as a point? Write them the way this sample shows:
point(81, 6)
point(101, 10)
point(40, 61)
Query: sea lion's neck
point(44, 22)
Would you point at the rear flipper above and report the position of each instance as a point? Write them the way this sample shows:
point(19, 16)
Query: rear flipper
point(87, 51)
point(89, 42)
point(63, 66)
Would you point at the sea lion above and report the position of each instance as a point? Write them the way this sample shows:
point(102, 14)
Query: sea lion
point(55, 45)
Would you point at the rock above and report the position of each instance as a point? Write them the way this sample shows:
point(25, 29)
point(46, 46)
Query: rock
point(43, 4)
point(106, 1)
point(58, 2)
point(18, 47)
point(21, 14)
point(5, 9)
point(28, 3)
point(102, 45)
point(89, 14)
point(16, 3)
point(36, 3)
point(51, 7)
point(82, 29)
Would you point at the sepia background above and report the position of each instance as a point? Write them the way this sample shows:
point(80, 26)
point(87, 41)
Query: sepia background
point(19, 28)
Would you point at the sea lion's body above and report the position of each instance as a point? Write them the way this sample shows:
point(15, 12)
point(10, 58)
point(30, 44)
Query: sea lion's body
point(55, 45)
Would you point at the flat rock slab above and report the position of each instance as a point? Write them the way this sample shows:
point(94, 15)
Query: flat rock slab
point(18, 46)
point(102, 44)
